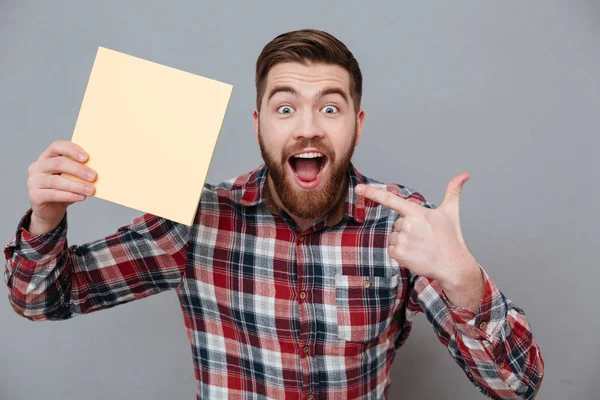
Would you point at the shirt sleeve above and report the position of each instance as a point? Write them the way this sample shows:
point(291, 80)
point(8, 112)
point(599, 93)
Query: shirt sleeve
point(48, 279)
point(494, 345)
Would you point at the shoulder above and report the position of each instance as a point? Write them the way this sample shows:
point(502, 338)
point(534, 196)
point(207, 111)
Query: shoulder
point(241, 189)
point(398, 189)
point(228, 189)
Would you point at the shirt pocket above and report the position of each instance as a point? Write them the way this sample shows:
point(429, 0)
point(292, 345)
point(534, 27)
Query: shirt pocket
point(364, 305)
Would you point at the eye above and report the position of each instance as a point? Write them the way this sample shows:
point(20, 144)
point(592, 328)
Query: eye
point(285, 110)
point(329, 109)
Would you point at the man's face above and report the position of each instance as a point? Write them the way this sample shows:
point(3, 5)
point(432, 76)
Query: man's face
point(307, 129)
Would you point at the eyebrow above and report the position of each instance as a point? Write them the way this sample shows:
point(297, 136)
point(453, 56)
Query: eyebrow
point(319, 94)
point(332, 90)
point(282, 89)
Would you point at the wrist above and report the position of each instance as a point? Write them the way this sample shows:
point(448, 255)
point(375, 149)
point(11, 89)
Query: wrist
point(465, 287)
point(462, 270)
point(40, 226)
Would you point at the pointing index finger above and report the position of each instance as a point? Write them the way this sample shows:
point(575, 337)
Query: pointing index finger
point(388, 199)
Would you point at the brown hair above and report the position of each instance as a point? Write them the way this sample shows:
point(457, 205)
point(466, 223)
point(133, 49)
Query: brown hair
point(305, 46)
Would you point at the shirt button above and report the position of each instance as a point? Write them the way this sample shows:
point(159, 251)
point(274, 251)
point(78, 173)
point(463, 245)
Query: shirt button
point(305, 349)
point(310, 397)
point(367, 284)
point(302, 295)
point(482, 325)
point(501, 365)
point(301, 238)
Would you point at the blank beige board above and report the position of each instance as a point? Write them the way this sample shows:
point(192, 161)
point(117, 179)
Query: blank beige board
point(150, 132)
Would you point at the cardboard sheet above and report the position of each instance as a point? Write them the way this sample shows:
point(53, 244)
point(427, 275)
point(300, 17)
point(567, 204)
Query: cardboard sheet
point(150, 132)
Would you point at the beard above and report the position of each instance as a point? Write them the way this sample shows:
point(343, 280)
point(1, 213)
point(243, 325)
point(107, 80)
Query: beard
point(309, 203)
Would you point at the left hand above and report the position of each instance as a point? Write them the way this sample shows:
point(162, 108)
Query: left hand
point(429, 242)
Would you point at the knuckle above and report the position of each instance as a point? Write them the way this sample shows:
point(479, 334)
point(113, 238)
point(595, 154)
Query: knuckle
point(61, 163)
point(53, 181)
point(398, 251)
point(401, 241)
point(392, 200)
point(398, 224)
point(55, 163)
point(407, 227)
point(392, 239)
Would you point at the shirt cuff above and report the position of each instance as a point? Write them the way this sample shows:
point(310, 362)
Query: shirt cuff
point(37, 249)
point(489, 317)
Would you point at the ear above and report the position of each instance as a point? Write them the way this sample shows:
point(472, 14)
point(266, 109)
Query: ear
point(360, 120)
point(255, 117)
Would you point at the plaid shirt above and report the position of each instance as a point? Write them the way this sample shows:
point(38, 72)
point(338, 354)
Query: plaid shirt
point(271, 312)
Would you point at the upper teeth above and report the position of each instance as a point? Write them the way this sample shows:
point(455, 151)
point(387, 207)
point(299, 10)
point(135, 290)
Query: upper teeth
point(308, 155)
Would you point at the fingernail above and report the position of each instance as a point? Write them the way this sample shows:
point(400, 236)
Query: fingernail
point(82, 156)
point(88, 189)
point(360, 189)
point(90, 175)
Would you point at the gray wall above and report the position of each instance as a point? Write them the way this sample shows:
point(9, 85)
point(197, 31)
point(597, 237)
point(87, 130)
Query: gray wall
point(508, 91)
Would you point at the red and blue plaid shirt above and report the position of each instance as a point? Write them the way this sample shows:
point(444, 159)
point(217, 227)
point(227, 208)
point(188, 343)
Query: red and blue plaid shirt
point(271, 312)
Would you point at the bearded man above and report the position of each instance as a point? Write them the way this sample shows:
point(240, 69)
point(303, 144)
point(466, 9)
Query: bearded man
point(299, 279)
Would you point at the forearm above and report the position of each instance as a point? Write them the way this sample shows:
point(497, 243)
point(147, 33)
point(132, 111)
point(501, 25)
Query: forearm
point(47, 279)
point(37, 273)
point(494, 345)
point(505, 364)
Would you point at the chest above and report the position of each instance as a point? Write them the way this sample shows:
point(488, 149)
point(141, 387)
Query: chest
point(262, 278)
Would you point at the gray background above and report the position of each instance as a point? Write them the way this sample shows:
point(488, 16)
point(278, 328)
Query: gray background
point(505, 90)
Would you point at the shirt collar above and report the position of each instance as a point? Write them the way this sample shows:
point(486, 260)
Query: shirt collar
point(256, 191)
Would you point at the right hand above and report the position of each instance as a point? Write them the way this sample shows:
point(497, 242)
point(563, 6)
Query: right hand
point(50, 193)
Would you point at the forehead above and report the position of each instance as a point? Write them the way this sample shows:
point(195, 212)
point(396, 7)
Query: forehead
point(308, 76)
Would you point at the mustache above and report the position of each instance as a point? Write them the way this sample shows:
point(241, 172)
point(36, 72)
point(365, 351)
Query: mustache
point(308, 143)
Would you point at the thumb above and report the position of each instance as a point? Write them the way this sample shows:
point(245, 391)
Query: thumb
point(451, 201)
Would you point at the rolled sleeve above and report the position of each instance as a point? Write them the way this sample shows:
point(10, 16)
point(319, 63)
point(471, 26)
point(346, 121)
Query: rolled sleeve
point(36, 250)
point(487, 321)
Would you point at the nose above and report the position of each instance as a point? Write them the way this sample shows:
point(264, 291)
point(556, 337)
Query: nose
point(308, 127)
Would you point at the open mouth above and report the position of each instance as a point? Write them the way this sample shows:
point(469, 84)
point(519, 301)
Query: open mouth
point(307, 167)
